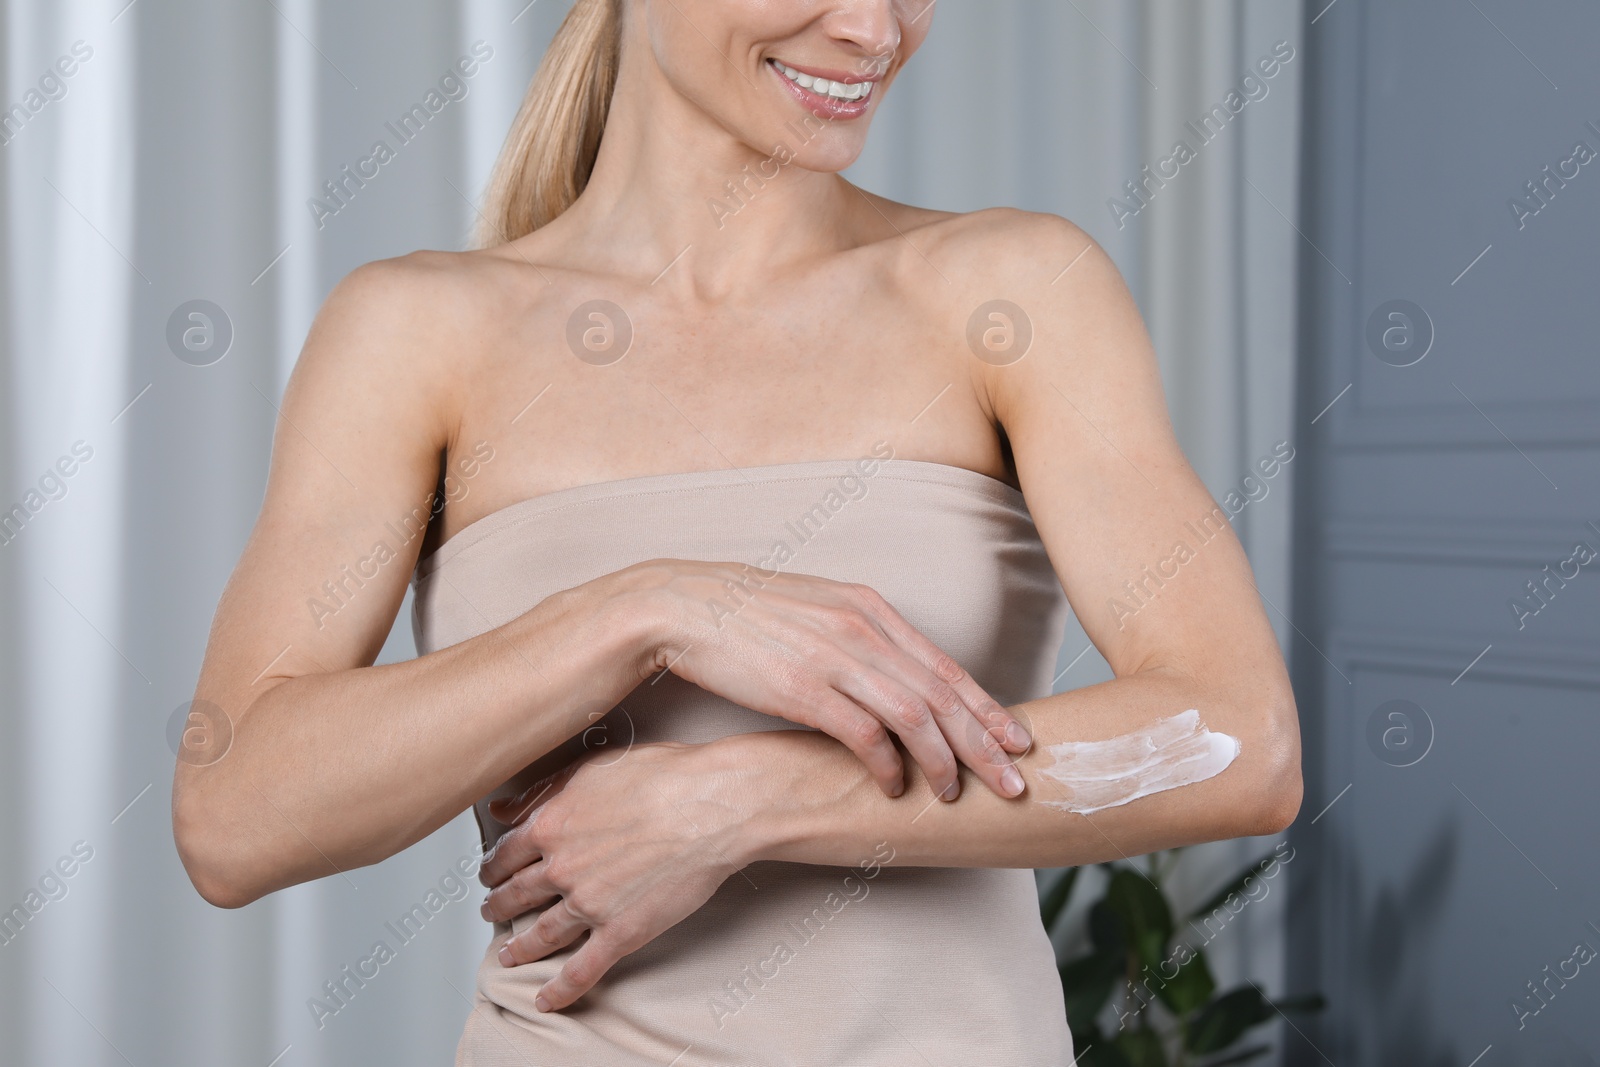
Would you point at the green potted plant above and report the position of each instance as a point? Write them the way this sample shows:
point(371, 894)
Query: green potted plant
point(1152, 977)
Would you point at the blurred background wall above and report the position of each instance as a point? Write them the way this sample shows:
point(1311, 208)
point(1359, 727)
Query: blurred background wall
point(1448, 527)
point(175, 164)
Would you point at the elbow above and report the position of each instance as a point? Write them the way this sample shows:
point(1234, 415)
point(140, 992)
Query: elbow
point(214, 874)
point(1275, 791)
point(1278, 804)
point(219, 892)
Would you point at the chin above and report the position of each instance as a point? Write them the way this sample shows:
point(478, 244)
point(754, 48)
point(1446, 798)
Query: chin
point(800, 80)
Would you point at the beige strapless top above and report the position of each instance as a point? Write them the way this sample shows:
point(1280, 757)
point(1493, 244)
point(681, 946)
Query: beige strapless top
point(797, 964)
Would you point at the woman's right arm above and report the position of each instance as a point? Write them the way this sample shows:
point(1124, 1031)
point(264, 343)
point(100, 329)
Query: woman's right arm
point(318, 761)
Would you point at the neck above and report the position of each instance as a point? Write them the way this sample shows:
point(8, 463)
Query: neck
point(675, 194)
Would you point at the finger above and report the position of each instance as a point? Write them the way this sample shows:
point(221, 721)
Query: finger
point(903, 712)
point(579, 974)
point(1010, 731)
point(980, 749)
point(863, 734)
point(512, 810)
point(516, 849)
point(1013, 730)
point(1012, 734)
point(976, 746)
point(554, 929)
point(522, 892)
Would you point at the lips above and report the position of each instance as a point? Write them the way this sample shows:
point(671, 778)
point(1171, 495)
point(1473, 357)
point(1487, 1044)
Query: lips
point(839, 96)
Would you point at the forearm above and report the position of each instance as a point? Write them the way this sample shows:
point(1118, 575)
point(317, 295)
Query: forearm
point(327, 772)
point(809, 802)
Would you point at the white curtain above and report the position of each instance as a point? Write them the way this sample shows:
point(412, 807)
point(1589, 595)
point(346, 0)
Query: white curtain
point(176, 162)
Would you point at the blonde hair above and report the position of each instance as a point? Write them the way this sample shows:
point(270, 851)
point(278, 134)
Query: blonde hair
point(550, 152)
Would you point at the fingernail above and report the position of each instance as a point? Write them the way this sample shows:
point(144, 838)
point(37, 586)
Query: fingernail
point(484, 911)
point(540, 1004)
point(506, 957)
point(951, 791)
point(1011, 781)
point(1016, 735)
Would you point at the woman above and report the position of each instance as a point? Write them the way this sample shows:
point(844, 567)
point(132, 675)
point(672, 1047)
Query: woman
point(741, 503)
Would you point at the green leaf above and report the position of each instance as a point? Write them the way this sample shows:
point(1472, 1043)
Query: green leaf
point(1144, 912)
point(1086, 984)
point(1235, 886)
point(1142, 1048)
point(1310, 1002)
point(1242, 1056)
point(1225, 1020)
point(1053, 903)
point(1107, 931)
point(1098, 1053)
point(1190, 988)
point(1139, 903)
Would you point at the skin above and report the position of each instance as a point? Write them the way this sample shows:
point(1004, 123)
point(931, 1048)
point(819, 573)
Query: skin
point(810, 323)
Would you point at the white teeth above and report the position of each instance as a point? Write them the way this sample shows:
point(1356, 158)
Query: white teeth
point(824, 87)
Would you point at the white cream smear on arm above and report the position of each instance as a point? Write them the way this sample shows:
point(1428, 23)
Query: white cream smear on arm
point(1172, 752)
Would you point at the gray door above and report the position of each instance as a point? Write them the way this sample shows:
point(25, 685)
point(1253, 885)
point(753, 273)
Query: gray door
point(1448, 535)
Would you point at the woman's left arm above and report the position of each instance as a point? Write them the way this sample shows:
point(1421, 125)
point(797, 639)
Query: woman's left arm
point(1152, 569)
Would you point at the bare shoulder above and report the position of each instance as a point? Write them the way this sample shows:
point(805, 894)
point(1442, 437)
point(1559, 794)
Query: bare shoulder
point(405, 331)
point(415, 299)
point(1031, 295)
point(1045, 272)
point(1030, 253)
point(958, 260)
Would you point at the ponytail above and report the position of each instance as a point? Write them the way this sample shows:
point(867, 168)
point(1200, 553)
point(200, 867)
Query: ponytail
point(550, 152)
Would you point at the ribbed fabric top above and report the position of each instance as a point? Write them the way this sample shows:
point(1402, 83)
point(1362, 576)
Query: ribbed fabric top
point(790, 963)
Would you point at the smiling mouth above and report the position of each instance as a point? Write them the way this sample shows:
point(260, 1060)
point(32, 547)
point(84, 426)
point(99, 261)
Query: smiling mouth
point(829, 92)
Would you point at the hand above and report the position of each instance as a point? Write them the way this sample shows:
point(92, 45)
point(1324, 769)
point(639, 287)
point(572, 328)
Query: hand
point(834, 656)
point(622, 850)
